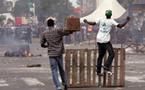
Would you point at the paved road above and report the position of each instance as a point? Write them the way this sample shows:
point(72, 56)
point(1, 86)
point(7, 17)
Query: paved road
point(15, 75)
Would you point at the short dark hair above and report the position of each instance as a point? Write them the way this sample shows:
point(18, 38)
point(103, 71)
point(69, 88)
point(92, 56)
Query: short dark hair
point(50, 22)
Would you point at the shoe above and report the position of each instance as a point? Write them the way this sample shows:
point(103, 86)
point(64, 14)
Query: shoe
point(108, 72)
point(100, 74)
point(65, 87)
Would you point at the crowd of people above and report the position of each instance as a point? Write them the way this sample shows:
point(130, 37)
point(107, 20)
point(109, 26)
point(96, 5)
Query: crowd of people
point(21, 33)
point(25, 33)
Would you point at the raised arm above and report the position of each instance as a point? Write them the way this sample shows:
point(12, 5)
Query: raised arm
point(64, 33)
point(90, 23)
point(123, 24)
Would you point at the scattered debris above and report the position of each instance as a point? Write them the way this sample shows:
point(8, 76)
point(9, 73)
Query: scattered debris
point(129, 50)
point(132, 69)
point(141, 73)
point(33, 65)
point(18, 50)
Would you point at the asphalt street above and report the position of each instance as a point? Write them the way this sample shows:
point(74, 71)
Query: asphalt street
point(15, 75)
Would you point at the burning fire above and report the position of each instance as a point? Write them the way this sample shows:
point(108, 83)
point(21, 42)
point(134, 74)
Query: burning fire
point(27, 54)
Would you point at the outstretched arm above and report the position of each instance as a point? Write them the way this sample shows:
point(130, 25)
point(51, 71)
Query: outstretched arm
point(90, 23)
point(123, 24)
point(65, 33)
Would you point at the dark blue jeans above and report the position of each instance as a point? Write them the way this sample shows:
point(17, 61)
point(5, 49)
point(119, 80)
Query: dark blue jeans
point(102, 48)
point(55, 64)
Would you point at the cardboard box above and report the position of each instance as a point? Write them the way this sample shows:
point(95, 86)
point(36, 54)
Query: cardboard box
point(71, 24)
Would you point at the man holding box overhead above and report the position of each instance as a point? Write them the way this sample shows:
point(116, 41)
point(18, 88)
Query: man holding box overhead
point(53, 40)
point(103, 39)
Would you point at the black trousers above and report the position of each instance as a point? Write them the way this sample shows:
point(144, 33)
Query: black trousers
point(102, 48)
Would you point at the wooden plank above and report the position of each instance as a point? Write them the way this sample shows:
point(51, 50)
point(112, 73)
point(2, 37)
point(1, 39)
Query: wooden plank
point(122, 67)
point(99, 81)
point(74, 68)
point(67, 66)
point(116, 67)
point(81, 78)
point(110, 77)
point(82, 65)
point(94, 67)
point(89, 68)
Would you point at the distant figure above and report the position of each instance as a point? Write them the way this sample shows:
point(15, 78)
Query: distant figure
point(143, 27)
point(142, 31)
point(29, 35)
point(103, 39)
point(53, 40)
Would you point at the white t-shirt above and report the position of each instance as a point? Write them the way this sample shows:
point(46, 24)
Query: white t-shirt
point(105, 27)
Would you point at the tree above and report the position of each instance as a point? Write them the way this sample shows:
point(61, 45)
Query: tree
point(21, 8)
point(44, 8)
point(125, 3)
point(3, 7)
point(1, 4)
point(2, 18)
point(9, 21)
point(56, 8)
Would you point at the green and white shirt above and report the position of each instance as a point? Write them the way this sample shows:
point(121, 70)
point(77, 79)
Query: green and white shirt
point(105, 27)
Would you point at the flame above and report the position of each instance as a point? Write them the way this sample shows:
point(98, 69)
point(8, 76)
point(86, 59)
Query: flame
point(29, 54)
point(26, 52)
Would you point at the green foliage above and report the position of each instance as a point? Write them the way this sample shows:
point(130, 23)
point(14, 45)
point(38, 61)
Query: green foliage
point(2, 17)
point(44, 8)
point(47, 4)
point(1, 3)
point(21, 8)
point(56, 8)
point(9, 21)
point(125, 3)
point(3, 8)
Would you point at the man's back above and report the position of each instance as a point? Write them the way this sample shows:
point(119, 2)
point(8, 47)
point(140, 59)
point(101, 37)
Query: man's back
point(54, 41)
point(104, 29)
